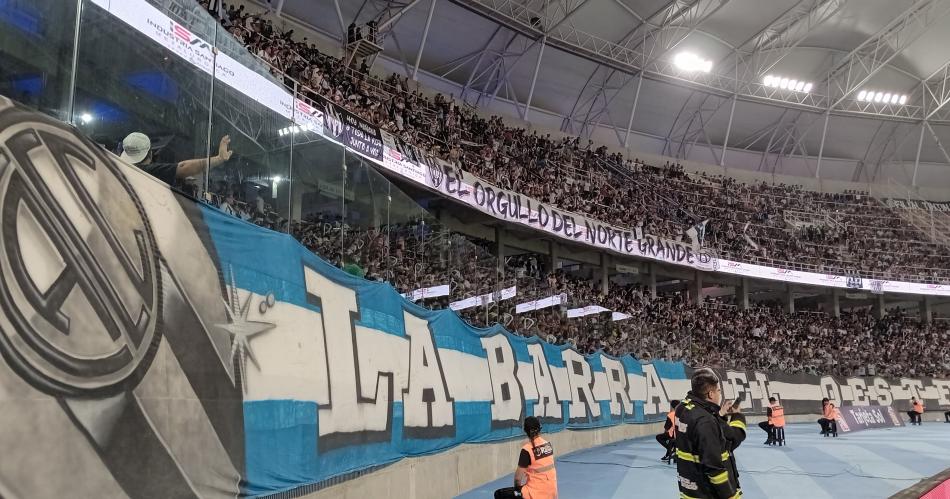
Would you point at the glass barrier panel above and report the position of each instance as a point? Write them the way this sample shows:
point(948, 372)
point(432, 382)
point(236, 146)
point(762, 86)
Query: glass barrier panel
point(128, 83)
point(317, 195)
point(258, 176)
point(36, 53)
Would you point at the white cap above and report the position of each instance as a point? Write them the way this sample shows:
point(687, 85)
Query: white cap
point(135, 147)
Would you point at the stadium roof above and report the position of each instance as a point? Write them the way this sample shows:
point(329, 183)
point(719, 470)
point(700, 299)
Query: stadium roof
point(595, 50)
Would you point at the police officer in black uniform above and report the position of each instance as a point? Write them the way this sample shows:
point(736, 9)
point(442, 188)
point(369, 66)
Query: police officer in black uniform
point(706, 438)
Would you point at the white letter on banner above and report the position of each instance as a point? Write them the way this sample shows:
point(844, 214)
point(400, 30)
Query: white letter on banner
point(759, 388)
point(580, 378)
point(427, 406)
point(912, 388)
point(507, 395)
point(943, 391)
point(830, 389)
point(656, 400)
point(882, 392)
point(361, 394)
point(549, 404)
point(740, 388)
point(617, 387)
point(859, 391)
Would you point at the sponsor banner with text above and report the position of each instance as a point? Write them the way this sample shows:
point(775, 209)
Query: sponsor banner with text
point(857, 418)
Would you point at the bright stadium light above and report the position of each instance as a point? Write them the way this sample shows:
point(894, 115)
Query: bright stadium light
point(86, 118)
point(689, 61)
point(887, 98)
point(785, 83)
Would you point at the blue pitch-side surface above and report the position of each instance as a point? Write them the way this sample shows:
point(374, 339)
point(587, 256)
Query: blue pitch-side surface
point(868, 464)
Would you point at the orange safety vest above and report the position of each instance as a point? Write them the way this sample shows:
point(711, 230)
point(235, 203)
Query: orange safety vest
point(777, 418)
point(918, 407)
point(542, 477)
point(672, 417)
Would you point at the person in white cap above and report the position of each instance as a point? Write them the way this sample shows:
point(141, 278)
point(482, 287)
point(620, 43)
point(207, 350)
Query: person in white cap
point(137, 150)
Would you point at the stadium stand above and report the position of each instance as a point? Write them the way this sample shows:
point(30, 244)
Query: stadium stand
point(761, 223)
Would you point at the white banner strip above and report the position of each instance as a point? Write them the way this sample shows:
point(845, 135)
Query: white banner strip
point(550, 301)
point(430, 292)
point(619, 316)
point(483, 300)
point(585, 311)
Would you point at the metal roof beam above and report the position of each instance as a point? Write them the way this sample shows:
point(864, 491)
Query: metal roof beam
point(784, 34)
point(936, 94)
point(679, 20)
point(879, 50)
point(624, 59)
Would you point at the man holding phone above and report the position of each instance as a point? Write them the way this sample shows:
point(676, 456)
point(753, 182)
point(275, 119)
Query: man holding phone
point(707, 434)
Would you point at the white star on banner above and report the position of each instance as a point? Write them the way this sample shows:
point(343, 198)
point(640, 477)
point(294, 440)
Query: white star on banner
point(242, 330)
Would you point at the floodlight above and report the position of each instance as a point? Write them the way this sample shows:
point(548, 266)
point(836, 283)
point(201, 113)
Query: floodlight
point(689, 61)
point(86, 118)
point(862, 95)
point(903, 100)
point(878, 97)
point(807, 88)
point(887, 98)
point(684, 60)
point(767, 81)
point(800, 86)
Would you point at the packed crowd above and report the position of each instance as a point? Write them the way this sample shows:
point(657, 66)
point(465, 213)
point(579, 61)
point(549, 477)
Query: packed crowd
point(716, 334)
point(668, 326)
point(748, 222)
point(751, 222)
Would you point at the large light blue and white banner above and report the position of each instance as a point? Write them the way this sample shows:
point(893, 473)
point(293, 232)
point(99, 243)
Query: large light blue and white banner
point(344, 373)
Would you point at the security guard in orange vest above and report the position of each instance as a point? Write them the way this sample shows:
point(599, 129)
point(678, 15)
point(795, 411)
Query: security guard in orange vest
point(668, 438)
point(916, 411)
point(706, 440)
point(776, 418)
point(535, 477)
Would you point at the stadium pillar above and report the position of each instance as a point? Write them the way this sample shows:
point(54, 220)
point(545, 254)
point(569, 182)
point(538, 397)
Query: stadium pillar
point(879, 307)
point(552, 256)
point(604, 273)
point(422, 44)
point(821, 147)
point(500, 250)
point(651, 279)
point(789, 299)
point(834, 303)
point(926, 310)
point(742, 299)
point(697, 288)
